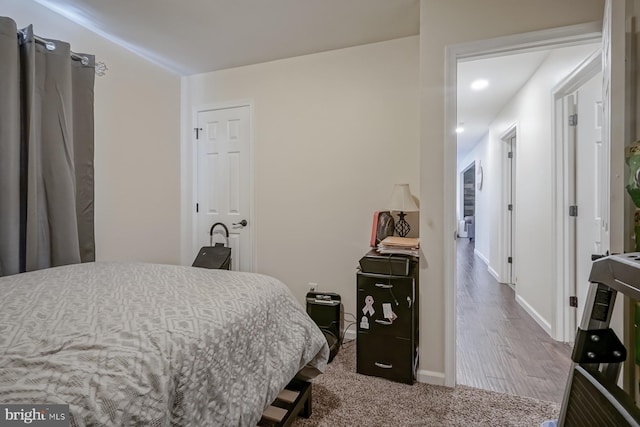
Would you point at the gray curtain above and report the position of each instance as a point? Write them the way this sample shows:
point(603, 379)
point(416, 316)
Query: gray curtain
point(46, 153)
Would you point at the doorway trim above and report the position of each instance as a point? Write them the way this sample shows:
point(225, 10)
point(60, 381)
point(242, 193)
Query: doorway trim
point(194, 172)
point(563, 327)
point(507, 230)
point(544, 39)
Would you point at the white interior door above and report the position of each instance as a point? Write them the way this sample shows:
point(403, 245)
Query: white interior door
point(511, 207)
point(508, 198)
point(590, 183)
point(224, 180)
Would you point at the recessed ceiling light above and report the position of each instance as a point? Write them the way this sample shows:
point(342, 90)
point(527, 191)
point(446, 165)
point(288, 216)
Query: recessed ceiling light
point(479, 84)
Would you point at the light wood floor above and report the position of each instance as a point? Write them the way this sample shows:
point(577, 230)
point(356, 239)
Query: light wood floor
point(499, 346)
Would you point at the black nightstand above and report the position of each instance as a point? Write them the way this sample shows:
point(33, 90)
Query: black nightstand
point(387, 343)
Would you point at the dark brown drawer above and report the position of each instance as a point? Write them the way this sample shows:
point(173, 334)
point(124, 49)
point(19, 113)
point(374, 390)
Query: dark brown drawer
point(386, 357)
point(398, 293)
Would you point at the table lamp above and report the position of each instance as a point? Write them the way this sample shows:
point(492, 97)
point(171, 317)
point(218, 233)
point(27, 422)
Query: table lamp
point(402, 201)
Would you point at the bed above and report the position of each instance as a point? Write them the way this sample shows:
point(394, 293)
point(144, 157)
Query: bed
point(150, 344)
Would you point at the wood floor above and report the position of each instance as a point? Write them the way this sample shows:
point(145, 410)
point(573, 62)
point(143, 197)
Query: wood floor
point(499, 346)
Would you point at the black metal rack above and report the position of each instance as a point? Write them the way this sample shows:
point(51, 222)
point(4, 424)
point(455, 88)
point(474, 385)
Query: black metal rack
point(592, 397)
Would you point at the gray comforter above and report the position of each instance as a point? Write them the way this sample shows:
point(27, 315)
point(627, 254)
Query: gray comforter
point(147, 344)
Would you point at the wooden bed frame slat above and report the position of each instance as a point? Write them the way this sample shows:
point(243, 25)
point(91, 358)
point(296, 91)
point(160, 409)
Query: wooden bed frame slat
point(294, 400)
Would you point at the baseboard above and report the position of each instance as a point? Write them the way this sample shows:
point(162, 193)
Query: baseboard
point(430, 377)
point(486, 261)
point(534, 314)
point(482, 257)
point(493, 273)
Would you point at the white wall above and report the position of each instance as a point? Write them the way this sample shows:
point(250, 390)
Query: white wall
point(137, 146)
point(444, 24)
point(333, 132)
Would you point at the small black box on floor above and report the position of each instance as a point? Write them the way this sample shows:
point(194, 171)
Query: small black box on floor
point(391, 265)
point(325, 309)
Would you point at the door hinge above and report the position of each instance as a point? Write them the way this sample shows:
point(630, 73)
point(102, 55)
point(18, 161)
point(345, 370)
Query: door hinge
point(510, 207)
point(197, 207)
point(198, 130)
point(510, 260)
point(573, 301)
point(573, 120)
point(573, 210)
point(510, 154)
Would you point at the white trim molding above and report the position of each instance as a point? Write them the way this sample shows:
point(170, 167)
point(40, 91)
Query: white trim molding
point(430, 377)
point(534, 314)
point(482, 257)
point(507, 220)
point(486, 262)
point(494, 273)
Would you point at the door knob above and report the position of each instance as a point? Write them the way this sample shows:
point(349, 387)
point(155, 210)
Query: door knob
point(242, 223)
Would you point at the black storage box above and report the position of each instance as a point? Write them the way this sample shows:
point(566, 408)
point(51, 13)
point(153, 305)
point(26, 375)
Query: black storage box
point(389, 264)
point(325, 308)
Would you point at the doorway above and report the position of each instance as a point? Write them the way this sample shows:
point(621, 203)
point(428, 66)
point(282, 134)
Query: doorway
point(468, 202)
point(535, 175)
point(509, 195)
point(223, 190)
point(590, 171)
point(583, 169)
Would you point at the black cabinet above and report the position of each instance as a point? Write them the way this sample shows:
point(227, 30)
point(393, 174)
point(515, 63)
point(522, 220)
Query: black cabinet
point(387, 334)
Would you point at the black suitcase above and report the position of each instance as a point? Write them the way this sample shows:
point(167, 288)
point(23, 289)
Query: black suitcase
point(216, 256)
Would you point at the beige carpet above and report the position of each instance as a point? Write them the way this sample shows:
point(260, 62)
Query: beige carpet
point(341, 397)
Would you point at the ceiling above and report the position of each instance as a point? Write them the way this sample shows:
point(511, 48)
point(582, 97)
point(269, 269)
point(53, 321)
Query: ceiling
point(506, 75)
point(196, 36)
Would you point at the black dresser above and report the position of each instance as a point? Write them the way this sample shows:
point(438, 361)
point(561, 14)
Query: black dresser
point(387, 311)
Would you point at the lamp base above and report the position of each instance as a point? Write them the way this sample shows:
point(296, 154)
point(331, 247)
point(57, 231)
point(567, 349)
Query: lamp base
point(402, 226)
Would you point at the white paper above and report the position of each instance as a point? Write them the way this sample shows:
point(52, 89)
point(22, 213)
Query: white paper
point(386, 311)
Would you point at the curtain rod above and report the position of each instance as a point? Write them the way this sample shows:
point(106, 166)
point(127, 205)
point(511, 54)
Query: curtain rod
point(100, 67)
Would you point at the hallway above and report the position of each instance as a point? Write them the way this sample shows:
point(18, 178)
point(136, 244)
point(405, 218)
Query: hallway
point(499, 346)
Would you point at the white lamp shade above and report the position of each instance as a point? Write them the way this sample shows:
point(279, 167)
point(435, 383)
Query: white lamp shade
point(402, 200)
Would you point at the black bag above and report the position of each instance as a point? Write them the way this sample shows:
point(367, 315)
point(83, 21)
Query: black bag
point(218, 256)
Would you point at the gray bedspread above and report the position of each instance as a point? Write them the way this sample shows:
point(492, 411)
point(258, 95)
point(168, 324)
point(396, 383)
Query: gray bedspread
point(148, 344)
